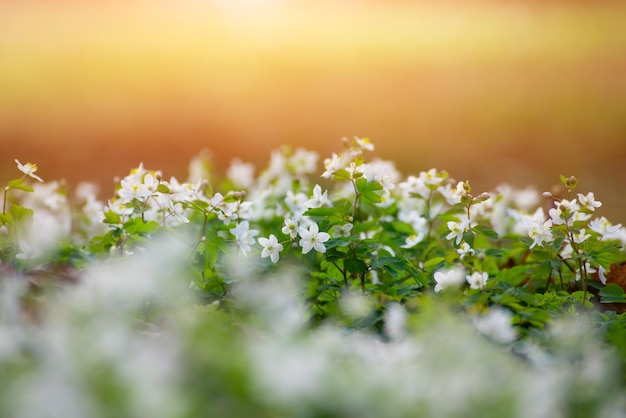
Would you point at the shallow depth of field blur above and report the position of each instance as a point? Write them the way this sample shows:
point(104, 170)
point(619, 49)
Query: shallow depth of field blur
point(489, 91)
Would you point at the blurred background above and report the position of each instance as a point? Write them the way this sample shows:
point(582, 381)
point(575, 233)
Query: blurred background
point(492, 92)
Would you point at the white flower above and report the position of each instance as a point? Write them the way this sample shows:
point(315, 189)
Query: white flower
point(119, 208)
point(496, 324)
point(28, 169)
point(449, 278)
point(569, 205)
point(395, 322)
point(580, 236)
point(241, 174)
point(588, 270)
point(332, 165)
point(244, 236)
point(178, 211)
point(342, 231)
point(303, 162)
point(26, 251)
point(457, 229)
point(413, 239)
point(464, 250)
point(271, 248)
point(355, 170)
point(312, 239)
point(290, 227)
point(589, 201)
point(133, 190)
point(477, 280)
point(217, 201)
point(414, 185)
point(319, 199)
point(227, 212)
point(364, 143)
point(540, 232)
point(431, 177)
point(601, 274)
point(296, 202)
point(603, 227)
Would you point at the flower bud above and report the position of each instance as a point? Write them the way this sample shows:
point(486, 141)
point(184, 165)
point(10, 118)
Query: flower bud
point(482, 197)
point(547, 195)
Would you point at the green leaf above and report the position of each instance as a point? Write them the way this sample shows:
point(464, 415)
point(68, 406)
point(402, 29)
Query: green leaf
point(354, 265)
point(19, 212)
point(19, 185)
point(138, 226)
point(486, 231)
point(372, 197)
point(364, 186)
point(322, 212)
point(112, 218)
point(612, 293)
point(341, 175)
point(162, 188)
point(514, 275)
point(5, 219)
point(211, 254)
point(433, 262)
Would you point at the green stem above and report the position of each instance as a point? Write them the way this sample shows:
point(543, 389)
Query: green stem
point(4, 202)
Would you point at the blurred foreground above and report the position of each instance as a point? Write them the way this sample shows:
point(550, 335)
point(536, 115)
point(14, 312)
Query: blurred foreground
point(517, 92)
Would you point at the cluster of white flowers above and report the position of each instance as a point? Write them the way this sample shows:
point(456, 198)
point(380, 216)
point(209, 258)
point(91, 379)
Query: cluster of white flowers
point(284, 191)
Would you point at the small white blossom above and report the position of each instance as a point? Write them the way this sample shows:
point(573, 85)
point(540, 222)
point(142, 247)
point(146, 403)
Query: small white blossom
point(588, 269)
point(290, 227)
point(119, 208)
point(477, 280)
point(133, 190)
point(319, 199)
point(603, 227)
point(589, 201)
point(602, 274)
point(464, 250)
point(364, 143)
point(580, 236)
point(271, 248)
point(312, 239)
point(449, 278)
point(342, 231)
point(332, 165)
point(496, 324)
point(395, 322)
point(457, 229)
point(540, 232)
point(241, 174)
point(29, 169)
point(432, 177)
point(413, 239)
point(244, 236)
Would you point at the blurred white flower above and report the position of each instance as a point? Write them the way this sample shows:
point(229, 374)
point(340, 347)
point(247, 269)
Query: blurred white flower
point(496, 324)
point(477, 280)
point(319, 199)
point(452, 277)
point(29, 169)
point(395, 322)
point(464, 250)
point(244, 236)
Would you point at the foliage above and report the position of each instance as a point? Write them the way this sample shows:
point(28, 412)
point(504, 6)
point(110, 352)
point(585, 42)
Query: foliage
point(272, 296)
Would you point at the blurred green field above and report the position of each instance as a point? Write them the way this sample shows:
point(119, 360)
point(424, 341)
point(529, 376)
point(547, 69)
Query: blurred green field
point(490, 91)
